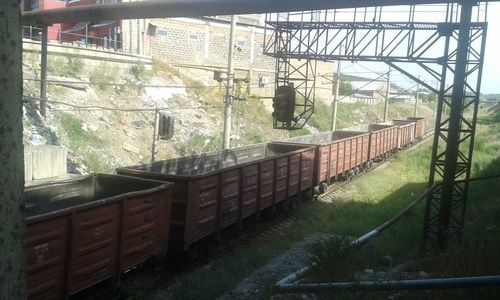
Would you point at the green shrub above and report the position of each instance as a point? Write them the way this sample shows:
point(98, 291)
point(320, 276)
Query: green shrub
point(65, 66)
point(77, 137)
point(103, 74)
point(140, 72)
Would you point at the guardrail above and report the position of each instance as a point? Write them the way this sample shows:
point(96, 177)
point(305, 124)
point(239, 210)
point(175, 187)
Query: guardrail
point(85, 40)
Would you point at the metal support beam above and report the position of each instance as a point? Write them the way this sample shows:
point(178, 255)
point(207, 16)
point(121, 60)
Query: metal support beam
point(455, 130)
point(443, 50)
point(387, 94)
point(417, 96)
point(436, 100)
point(229, 86)
point(155, 135)
point(43, 73)
point(335, 97)
point(451, 155)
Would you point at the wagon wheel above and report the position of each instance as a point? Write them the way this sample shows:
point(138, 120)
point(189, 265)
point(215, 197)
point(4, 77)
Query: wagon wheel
point(317, 190)
point(356, 171)
point(294, 202)
point(307, 195)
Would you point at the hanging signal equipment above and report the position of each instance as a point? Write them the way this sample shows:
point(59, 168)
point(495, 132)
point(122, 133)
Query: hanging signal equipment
point(284, 104)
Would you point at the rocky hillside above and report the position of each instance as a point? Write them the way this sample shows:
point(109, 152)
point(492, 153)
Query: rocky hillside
point(104, 114)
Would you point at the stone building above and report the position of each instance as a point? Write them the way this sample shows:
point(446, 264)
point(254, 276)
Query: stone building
point(203, 44)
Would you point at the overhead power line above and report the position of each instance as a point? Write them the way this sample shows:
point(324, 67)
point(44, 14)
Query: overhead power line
point(104, 108)
point(59, 82)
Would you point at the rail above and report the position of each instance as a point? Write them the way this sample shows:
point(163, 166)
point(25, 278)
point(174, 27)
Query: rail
point(289, 283)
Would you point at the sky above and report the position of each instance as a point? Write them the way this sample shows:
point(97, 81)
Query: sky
point(491, 71)
point(490, 83)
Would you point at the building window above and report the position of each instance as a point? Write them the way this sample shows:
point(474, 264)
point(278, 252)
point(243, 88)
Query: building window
point(34, 6)
point(193, 37)
point(161, 32)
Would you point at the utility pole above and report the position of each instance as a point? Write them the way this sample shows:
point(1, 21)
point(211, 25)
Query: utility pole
point(387, 94)
point(155, 135)
point(229, 86)
point(43, 73)
point(416, 98)
point(335, 96)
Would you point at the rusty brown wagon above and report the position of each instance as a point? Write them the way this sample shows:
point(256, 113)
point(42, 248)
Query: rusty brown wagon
point(420, 126)
point(83, 231)
point(215, 190)
point(406, 132)
point(338, 153)
point(383, 140)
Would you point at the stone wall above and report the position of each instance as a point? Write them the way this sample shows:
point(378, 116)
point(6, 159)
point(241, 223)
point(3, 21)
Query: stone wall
point(197, 43)
point(206, 43)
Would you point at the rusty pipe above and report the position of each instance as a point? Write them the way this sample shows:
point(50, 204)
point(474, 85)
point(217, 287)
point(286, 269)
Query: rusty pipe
point(195, 8)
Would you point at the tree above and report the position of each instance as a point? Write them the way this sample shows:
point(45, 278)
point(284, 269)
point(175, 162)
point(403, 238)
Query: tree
point(345, 88)
point(12, 228)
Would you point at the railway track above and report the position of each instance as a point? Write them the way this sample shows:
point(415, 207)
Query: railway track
point(262, 230)
point(255, 231)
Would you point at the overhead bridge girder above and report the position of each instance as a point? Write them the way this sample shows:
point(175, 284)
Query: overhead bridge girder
point(450, 52)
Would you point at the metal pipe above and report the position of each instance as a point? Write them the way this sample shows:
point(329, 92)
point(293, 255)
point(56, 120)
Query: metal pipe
point(287, 283)
point(193, 8)
point(229, 87)
point(418, 284)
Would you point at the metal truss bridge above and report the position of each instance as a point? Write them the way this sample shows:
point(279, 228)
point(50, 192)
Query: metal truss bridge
point(449, 49)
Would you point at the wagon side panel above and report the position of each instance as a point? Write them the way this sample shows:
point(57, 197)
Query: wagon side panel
point(250, 179)
point(281, 185)
point(46, 251)
point(94, 246)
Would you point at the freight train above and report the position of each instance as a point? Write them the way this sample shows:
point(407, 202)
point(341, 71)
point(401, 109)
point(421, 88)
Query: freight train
point(85, 231)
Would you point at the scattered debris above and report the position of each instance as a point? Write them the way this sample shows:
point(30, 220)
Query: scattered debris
point(286, 263)
point(130, 148)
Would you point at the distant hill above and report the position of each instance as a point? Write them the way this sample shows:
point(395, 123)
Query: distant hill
point(492, 97)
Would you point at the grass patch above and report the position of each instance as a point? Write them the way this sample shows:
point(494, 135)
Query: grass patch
point(253, 113)
point(299, 132)
point(65, 66)
point(77, 138)
point(366, 203)
point(202, 143)
point(104, 73)
point(96, 163)
point(83, 144)
point(163, 68)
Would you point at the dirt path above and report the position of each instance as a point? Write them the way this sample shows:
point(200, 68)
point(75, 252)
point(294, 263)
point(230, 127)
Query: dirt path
point(286, 263)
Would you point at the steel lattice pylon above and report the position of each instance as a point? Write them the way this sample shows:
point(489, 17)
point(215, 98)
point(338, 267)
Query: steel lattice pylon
point(450, 51)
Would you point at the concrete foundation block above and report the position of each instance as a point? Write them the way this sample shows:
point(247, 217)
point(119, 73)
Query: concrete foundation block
point(28, 164)
point(48, 161)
